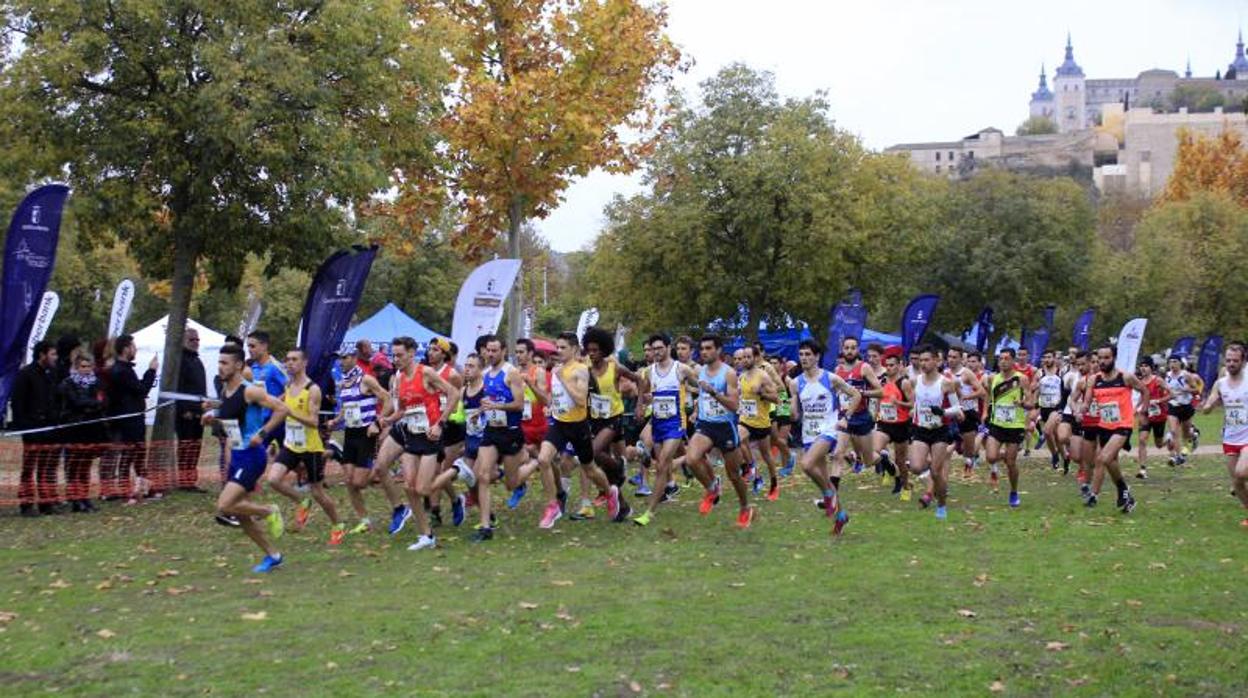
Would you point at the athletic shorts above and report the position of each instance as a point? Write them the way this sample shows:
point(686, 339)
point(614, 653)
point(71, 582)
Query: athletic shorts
point(1006, 435)
point(1183, 413)
point(1158, 429)
point(615, 424)
point(398, 433)
point(358, 448)
point(1227, 449)
point(312, 462)
point(757, 433)
point(1076, 428)
point(561, 435)
point(860, 424)
point(690, 428)
point(781, 420)
point(453, 433)
point(278, 436)
point(534, 432)
point(970, 422)
point(723, 435)
point(471, 444)
point(897, 432)
point(1104, 435)
point(421, 445)
point(630, 429)
point(1045, 412)
point(508, 441)
point(939, 435)
point(247, 465)
point(666, 431)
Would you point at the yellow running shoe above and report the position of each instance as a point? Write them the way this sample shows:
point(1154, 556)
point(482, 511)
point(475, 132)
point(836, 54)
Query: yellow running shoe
point(364, 526)
point(905, 494)
point(275, 523)
point(642, 519)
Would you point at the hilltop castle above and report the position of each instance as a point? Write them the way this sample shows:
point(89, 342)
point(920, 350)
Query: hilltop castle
point(1075, 102)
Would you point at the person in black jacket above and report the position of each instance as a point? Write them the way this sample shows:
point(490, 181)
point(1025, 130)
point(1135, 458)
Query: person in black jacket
point(192, 380)
point(82, 400)
point(34, 406)
point(127, 395)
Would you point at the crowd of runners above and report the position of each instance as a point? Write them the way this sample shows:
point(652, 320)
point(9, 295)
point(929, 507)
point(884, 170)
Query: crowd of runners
point(440, 431)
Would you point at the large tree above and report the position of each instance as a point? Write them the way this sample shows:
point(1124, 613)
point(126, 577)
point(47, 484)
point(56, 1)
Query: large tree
point(201, 131)
point(544, 91)
point(758, 203)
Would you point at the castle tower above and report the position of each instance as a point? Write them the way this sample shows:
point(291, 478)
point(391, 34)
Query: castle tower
point(1069, 93)
point(1042, 99)
point(1238, 69)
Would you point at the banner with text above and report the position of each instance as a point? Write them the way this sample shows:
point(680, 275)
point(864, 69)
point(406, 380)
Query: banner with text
point(479, 306)
point(331, 303)
point(1129, 341)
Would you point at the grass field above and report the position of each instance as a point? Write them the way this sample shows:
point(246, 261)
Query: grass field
point(1051, 598)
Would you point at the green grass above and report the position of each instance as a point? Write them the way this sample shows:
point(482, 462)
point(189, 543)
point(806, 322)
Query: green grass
point(1064, 600)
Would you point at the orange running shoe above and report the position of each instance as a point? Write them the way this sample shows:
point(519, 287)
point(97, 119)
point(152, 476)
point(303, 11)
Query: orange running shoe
point(773, 494)
point(302, 513)
point(710, 499)
point(746, 517)
point(337, 533)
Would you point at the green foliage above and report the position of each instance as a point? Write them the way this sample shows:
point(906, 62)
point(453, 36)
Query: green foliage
point(423, 283)
point(1036, 126)
point(1195, 98)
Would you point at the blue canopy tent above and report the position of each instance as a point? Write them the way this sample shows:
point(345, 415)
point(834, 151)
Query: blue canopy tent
point(779, 343)
point(870, 336)
point(385, 325)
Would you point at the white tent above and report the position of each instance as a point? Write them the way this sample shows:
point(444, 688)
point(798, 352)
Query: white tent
point(150, 341)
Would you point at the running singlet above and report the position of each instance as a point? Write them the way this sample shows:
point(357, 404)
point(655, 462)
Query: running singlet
point(606, 402)
point(784, 407)
point(445, 374)
point(240, 419)
point(269, 375)
point(1180, 393)
point(563, 407)
point(1006, 410)
point(1235, 416)
point(890, 412)
point(301, 438)
point(1157, 410)
point(534, 411)
point(667, 407)
point(497, 390)
point(1049, 391)
point(1113, 400)
point(709, 408)
point(1091, 413)
point(753, 409)
point(359, 409)
point(820, 407)
point(853, 376)
point(1069, 380)
point(925, 398)
point(418, 407)
point(474, 421)
point(965, 390)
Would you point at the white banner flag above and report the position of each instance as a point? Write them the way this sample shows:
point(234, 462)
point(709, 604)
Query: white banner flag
point(43, 320)
point(479, 307)
point(123, 298)
point(252, 318)
point(1129, 341)
point(621, 334)
point(589, 318)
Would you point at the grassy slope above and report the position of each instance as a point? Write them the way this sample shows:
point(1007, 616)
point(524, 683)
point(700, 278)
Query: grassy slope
point(1149, 603)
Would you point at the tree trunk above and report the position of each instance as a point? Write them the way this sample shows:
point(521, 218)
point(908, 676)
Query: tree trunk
point(515, 300)
point(751, 327)
point(185, 256)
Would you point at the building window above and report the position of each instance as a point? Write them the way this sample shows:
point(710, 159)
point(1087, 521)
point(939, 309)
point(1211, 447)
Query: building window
point(950, 156)
point(937, 156)
point(938, 169)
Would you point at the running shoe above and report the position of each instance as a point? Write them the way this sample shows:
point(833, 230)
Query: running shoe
point(1015, 500)
point(1053, 460)
point(458, 510)
point(1195, 438)
point(884, 478)
point(423, 543)
point(613, 501)
point(831, 504)
point(1126, 502)
point(842, 520)
point(745, 518)
point(635, 480)
point(561, 496)
point(643, 490)
point(710, 499)
point(625, 512)
point(585, 513)
point(364, 526)
point(757, 484)
point(925, 501)
point(227, 520)
point(482, 534)
point(1142, 475)
point(516, 495)
point(465, 474)
point(400, 518)
point(1090, 501)
point(1040, 441)
point(787, 470)
point(941, 514)
point(275, 523)
point(601, 499)
point(268, 564)
point(1065, 466)
point(773, 492)
point(337, 533)
point(303, 512)
point(550, 516)
point(857, 465)
point(670, 492)
point(906, 494)
point(642, 519)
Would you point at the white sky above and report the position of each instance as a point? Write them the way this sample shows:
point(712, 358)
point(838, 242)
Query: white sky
point(920, 70)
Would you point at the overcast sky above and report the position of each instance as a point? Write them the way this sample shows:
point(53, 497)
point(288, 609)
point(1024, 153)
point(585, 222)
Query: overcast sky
point(920, 70)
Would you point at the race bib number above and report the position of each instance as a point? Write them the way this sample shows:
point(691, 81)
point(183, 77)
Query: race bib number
point(1109, 413)
point(812, 425)
point(561, 405)
point(1154, 410)
point(709, 407)
point(1049, 397)
point(473, 424)
point(496, 418)
point(351, 415)
point(969, 405)
point(599, 406)
point(1236, 416)
point(748, 408)
point(416, 420)
point(527, 414)
point(928, 419)
point(233, 434)
point(664, 407)
point(1004, 413)
point(888, 412)
point(296, 435)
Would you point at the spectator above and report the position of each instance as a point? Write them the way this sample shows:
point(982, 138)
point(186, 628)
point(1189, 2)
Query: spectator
point(364, 356)
point(65, 347)
point(382, 369)
point(82, 400)
point(127, 395)
point(34, 406)
point(192, 380)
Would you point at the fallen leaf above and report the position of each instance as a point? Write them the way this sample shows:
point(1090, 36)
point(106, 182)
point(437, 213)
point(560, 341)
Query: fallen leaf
point(573, 669)
point(996, 686)
point(1134, 603)
point(562, 582)
point(106, 633)
point(563, 615)
point(439, 569)
point(736, 585)
point(167, 573)
point(331, 665)
point(1056, 646)
point(7, 616)
point(259, 615)
point(344, 573)
point(634, 687)
point(60, 583)
point(265, 592)
point(528, 606)
point(966, 613)
point(1156, 565)
point(104, 585)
